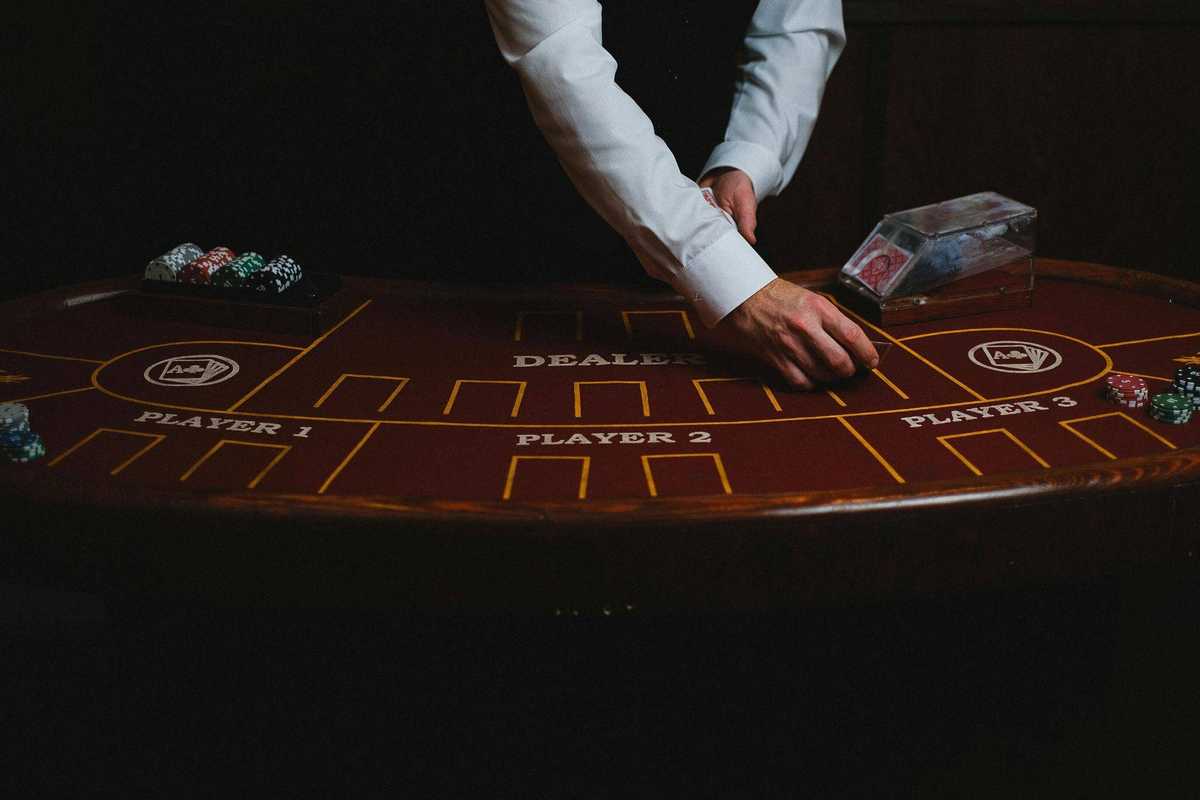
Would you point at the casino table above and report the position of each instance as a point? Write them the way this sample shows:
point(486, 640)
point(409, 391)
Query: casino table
point(588, 448)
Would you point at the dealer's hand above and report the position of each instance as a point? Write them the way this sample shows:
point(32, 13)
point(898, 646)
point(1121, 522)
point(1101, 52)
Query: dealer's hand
point(734, 192)
point(798, 333)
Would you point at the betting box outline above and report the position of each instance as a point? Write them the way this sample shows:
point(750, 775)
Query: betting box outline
point(375, 424)
point(975, 398)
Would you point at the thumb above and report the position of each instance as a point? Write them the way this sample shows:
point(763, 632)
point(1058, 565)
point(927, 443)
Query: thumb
point(745, 216)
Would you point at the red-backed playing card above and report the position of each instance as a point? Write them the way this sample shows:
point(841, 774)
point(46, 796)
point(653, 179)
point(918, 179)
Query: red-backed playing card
point(877, 262)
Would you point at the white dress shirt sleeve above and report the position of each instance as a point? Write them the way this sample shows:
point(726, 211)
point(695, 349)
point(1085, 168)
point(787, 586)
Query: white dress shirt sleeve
point(608, 148)
point(791, 48)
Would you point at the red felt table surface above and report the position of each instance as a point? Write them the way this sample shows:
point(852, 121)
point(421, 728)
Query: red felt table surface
point(483, 399)
point(582, 402)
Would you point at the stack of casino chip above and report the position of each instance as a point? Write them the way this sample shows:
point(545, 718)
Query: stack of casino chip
point(1171, 407)
point(168, 266)
point(237, 271)
point(201, 269)
point(1187, 383)
point(18, 443)
point(1129, 391)
point(278, 275)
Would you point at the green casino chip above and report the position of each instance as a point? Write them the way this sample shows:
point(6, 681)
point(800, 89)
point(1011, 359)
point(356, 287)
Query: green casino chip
point(1171, 407)
point(237, 271)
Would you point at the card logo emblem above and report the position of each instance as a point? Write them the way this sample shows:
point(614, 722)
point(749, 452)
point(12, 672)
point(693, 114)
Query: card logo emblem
point(202, 370)
point(1019, 357)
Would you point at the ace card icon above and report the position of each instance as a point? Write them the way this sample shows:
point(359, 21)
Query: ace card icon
point(1017, 357)
point(192, 371)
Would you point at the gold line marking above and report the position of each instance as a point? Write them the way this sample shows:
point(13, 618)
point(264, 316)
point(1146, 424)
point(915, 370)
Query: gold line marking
point(48, 355)
point(282, 448)
point(519, 331)
point(878, 456)
point(297, 357)
point(392, 396)
point(1162, 439)
point(683, 315)
point(50, 394)
point(640, 384)
point(1067, 423)
point(157, 437)
point(836, 397)
point(1055, 334)
point(1153, 339)
point(516, 403)
point(716, 457)
point(1096, 445)
point(583, 472)
point(349, 457)
point(771, 397)
point(1142, 375)
point(708, 406)
point(433, 423)
point(900, 343)
point(1005, 431)
point(891, 385)
point(400, 384)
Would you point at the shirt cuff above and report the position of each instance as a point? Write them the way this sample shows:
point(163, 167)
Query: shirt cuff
point(722, 276)
point(754, 160)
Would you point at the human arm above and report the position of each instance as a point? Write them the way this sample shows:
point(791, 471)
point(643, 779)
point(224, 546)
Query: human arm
point(608, 148)
point(790, 49)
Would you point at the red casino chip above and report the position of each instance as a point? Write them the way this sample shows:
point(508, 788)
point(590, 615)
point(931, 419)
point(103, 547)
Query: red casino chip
point(201, 270)
point(1130, 391)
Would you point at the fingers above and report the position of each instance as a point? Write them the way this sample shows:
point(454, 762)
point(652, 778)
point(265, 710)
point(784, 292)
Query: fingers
point(745, 215)
point(742, 205)
point(735, 194)
point(794, 376)
point(842, 340)
point(830, 347)
point(851, 337)
point(835, 361)
point(801, 334)
point(812, 351)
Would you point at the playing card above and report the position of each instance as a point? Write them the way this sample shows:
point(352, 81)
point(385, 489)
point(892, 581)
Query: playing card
point(882, 348)
point(877, 263)
point(711, 199)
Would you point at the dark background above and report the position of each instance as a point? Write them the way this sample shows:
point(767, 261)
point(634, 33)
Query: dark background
point(391, 139)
